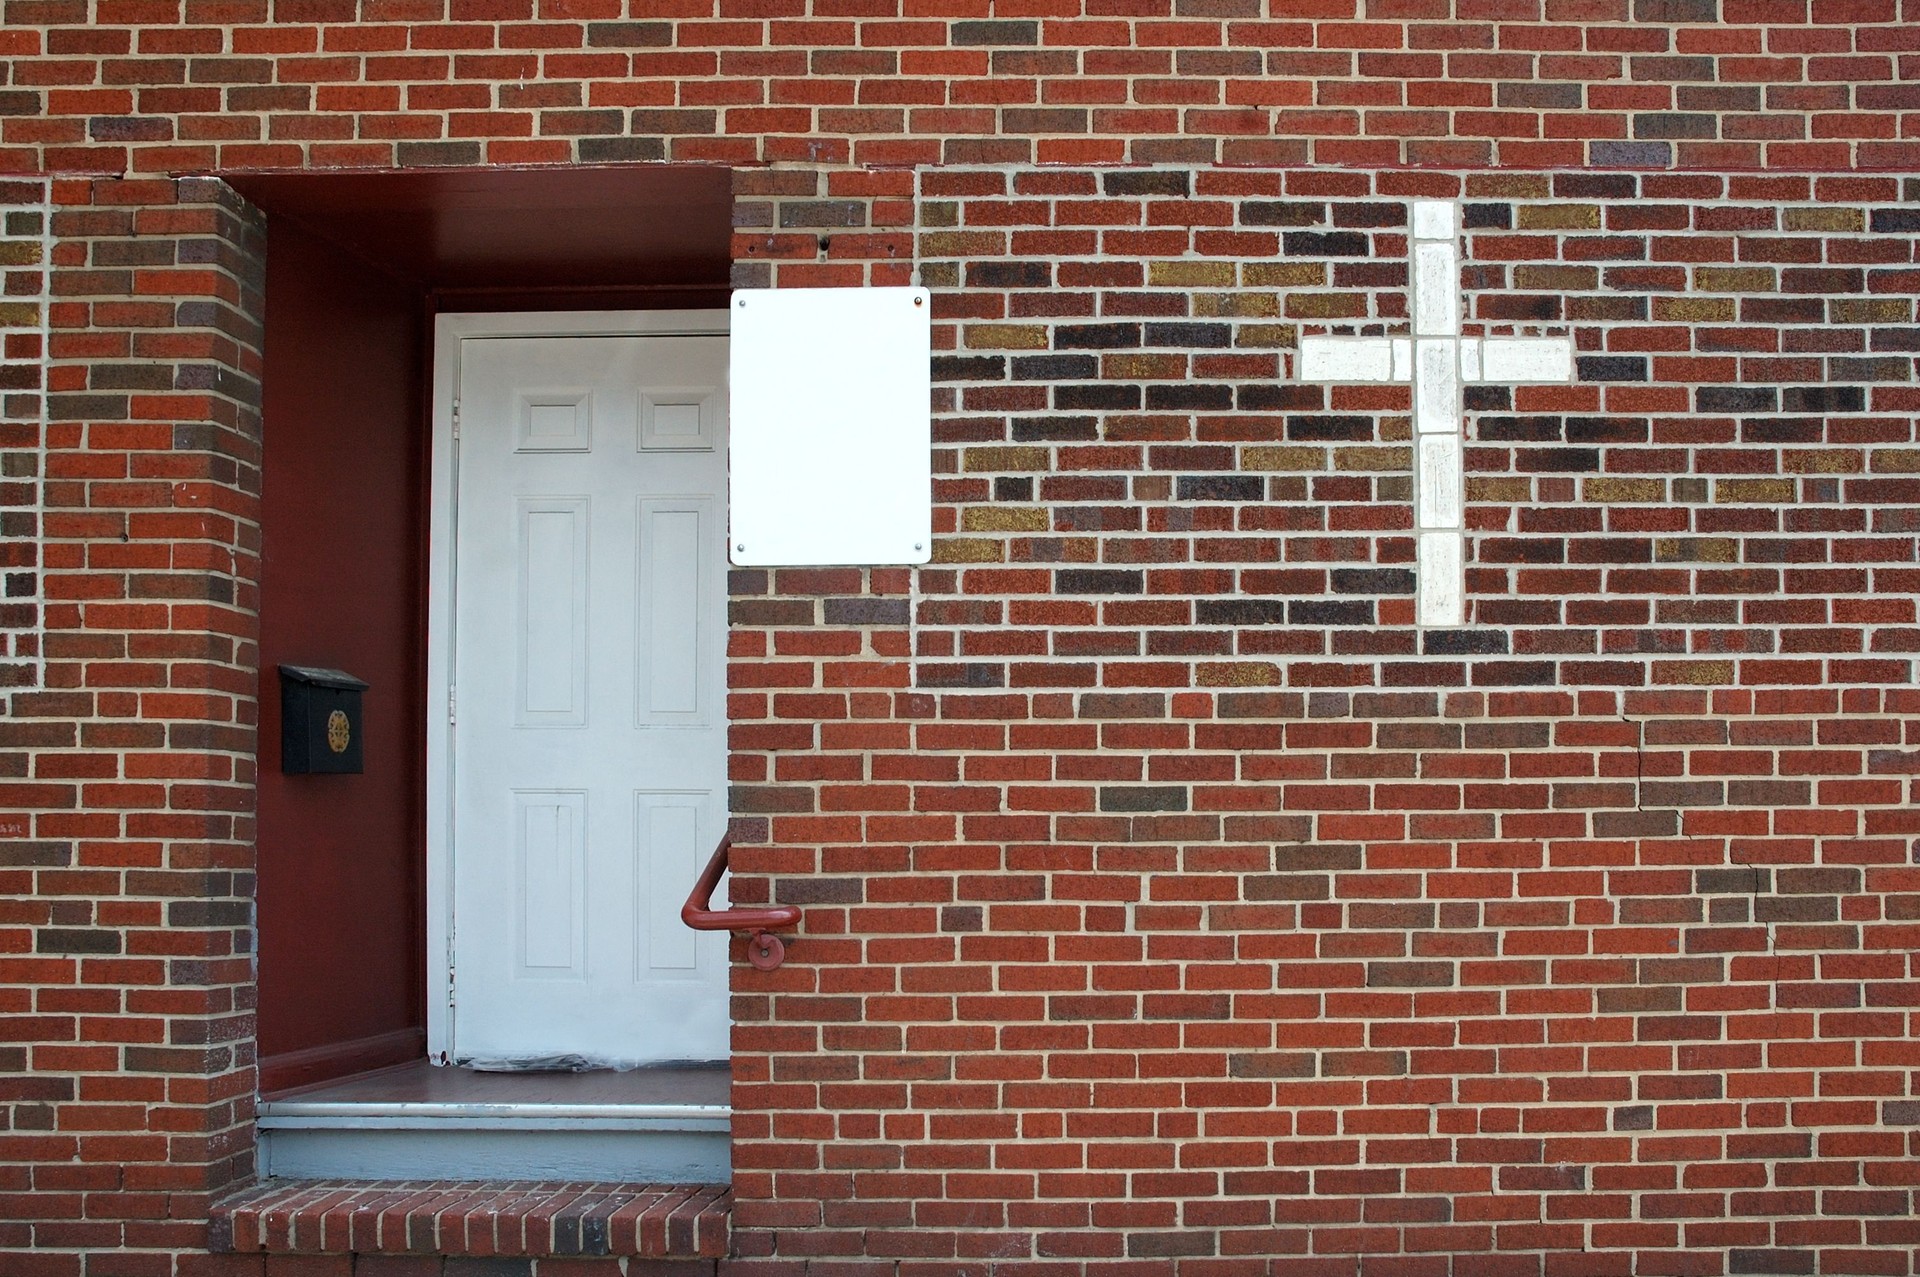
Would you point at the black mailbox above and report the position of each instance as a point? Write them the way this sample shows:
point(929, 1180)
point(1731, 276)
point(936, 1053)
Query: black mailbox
point(319, 720)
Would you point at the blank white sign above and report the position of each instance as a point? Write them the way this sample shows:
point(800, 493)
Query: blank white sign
point(830, 450)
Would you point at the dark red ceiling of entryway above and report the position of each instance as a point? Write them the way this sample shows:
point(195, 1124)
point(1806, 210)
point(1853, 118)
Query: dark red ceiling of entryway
point(518, 229)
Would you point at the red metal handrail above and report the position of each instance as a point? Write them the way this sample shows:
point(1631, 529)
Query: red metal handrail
point(765, 949)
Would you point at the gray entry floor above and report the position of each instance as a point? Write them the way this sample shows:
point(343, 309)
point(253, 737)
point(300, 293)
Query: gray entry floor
point(421, 1082)
point(664, 1124)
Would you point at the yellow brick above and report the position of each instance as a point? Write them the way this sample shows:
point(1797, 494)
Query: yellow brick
point(19, 315)
point(1623, 490)
point(1696, 550)
point(1002, 518)
point(1286, 274)
point(1565, 279)
point(1870, 310)
point(1822, 461)
point(1293, 459)
point(1766, 491)
point(1509, 186)
point(1327, 306)
point(1499, 491)
point(1190, 274)
point(1267, 337)
point(940, 213)
point(1825, 219)
point(1734, 279)
point(1006, 337)
point(1014, 459)
point(1696, 310)
point(964, 244)
point(1236, 305)
point(1372, 459)
point(1557, 217)
point(1238, 674)
point(20, 252)
point(1896, 460)
point(1693, 673)
point(1149, 366)
point(968, 550)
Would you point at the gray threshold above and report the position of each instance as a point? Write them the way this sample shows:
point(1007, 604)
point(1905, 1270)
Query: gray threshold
point(665, 1124)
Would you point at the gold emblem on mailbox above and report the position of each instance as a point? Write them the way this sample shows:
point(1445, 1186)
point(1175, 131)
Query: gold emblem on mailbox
point(339, 732)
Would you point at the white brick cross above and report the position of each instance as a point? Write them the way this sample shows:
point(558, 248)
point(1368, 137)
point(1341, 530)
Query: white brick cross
point(1438, 360)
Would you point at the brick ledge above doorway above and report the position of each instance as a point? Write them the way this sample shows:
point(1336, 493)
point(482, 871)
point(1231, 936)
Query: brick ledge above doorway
point(484, 1218)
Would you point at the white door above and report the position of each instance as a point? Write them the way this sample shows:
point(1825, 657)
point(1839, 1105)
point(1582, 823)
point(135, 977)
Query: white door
point(587, 744)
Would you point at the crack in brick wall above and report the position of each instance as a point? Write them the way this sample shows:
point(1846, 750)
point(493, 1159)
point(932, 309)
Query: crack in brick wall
point(23, 314)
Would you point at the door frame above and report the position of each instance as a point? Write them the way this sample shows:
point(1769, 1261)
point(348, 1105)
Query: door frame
point(442, 527)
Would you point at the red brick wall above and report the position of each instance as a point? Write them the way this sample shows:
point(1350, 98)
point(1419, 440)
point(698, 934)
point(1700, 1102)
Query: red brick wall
point(126, 1071)
point(1170, 897)
point(1171, 901)
point(204, 86)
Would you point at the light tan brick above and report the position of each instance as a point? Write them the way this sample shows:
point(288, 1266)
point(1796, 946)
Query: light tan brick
point(1499, 490)
point(1327, 305)
point(969, 550)
point(1825, 219)
point(1557, 217)
point(1015, 459)
point(1735, 279)
point(1136, 366)
point(1237, 674)
point(1870, 310)
point(1285, 274)
point(1696, 550)
point(1765, 491)
point(1199, 274)
point(1693, 673)
point(1293, 458)
point(1696, 310)
point(1001, 518)
point(1236, 305)
point(1822, 461)
point(1561, 279)
point(963, 244)
point(1006, 337)
point(1610, 489)
point(1372, 459)
point(1267, 336)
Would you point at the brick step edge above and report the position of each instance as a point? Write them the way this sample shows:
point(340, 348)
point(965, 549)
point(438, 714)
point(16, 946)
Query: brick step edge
point(480, 1218)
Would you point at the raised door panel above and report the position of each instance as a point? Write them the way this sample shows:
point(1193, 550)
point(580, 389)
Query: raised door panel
point(678, 562)
point(552, 631)
point(550, 863)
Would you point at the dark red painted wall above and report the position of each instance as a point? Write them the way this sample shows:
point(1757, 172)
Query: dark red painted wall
point(340, 862)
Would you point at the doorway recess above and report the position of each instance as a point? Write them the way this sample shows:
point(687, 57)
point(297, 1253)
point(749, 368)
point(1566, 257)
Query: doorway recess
point(359, 265)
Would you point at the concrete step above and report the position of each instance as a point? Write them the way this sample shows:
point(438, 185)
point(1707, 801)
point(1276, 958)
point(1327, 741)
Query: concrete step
point(419, 1122)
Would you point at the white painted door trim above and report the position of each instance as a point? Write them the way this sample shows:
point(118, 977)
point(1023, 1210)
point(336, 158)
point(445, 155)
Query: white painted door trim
point(443, 521)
